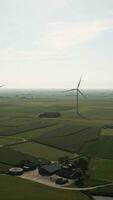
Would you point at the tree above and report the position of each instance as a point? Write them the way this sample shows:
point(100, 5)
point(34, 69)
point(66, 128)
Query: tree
point(64, 160)
point(83, 163)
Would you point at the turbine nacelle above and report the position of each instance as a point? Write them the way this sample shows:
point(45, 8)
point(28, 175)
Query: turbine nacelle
point(78, 92)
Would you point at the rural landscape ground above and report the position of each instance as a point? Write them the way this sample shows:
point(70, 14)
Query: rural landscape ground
point(24, 135)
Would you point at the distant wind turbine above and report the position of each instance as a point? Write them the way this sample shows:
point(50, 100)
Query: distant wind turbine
point(78, 92)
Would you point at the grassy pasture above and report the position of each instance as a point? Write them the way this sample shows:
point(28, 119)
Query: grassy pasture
point(101, 169)
point(107, 132)
point(89, 183)
point(9, 140)
point(101, 148)
point(25, 127)
point(13, 188)
point(37, 132)
point(69, 138)
point(4, 168)
point(106, 191)
point(11, 157)
point(19, 110)
point(39, 150)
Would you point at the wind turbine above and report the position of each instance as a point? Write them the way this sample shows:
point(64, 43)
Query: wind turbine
point(78, 92)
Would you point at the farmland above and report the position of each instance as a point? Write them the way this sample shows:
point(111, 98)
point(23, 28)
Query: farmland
point(43, 151)
point(11, 157)
point(71, 141)
point(102, 169)
point(23, 135)
point(14, 188)
point(102, 148)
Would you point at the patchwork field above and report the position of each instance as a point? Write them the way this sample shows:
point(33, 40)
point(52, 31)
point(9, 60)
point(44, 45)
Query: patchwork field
point(101, 169)
point(11, 157)
point(23, 135)
point(69, 138)
point(9, 140)
point(107, 132)
point(39, 150)
point(101, 148)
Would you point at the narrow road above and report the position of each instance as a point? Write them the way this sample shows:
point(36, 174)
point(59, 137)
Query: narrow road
point(35, 177)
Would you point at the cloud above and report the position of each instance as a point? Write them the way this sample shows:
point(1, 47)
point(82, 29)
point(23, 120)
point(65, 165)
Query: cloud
point(53, 43)
point(62, 35)
point(58, 3)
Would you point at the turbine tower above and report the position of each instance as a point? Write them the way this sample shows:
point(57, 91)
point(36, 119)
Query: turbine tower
point(78, 92)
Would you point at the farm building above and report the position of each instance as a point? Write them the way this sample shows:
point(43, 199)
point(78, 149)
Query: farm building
point(16, 171)
point(50, 169)
point(50, 115)
point(28, 165)
point(69, 173)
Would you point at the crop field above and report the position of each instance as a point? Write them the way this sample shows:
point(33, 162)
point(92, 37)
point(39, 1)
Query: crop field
point(29, 135)
point(69, 140)
point(101, 148)
point(12, 157)
point(39, 150)
point(15, 188)
point(106, 191)
point(9, 140)
point(19, 110)
point(13, 130)
point(4, 168)
point(23, 135)
point(101, 169)
point(107, 132)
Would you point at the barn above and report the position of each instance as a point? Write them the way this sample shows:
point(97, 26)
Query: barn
point(50, 169)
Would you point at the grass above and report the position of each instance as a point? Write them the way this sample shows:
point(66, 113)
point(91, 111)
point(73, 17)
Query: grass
point(68, 137)
point(107, 132)
point(106, 191)
point(101, 169)
point(101, 148)
point(9, 140)
point(12, 157)
point(37, 132)
point(19, 111)
point(89, 183)
point(39, 150)
point(4, 168)
point(12, 188)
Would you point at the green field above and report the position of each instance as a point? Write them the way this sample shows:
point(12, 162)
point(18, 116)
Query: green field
point(69, 140)
point(19, 121)
point(12, 188)
point(4, 168)
point(101, 148)
point(107, 132)
point(101, 169)
point(12, 157)
point(39, 150)
point(9, 140)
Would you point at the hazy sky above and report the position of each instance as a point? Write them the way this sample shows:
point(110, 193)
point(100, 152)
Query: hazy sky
point(50, 43)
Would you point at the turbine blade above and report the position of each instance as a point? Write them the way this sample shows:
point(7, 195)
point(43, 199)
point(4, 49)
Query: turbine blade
point(70, 90)
point(81, 93)
point(79, 82)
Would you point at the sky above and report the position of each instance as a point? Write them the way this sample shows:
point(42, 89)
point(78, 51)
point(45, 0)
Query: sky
point(50, 43)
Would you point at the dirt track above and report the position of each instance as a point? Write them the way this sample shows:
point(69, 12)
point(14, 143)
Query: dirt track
point(36, 177)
